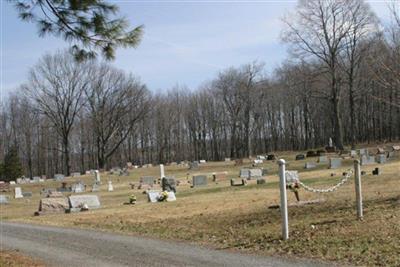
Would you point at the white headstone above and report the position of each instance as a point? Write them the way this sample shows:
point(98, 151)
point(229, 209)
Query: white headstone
point(97, 176)
point(309, 165)
point(77, 202)
point(110, 186)
point(202, 161)
point(171, 196)
point(153, 195)
point(12, 182)
point(353, 153)
point(18, 193)
point(162, 173)
point(330, 142)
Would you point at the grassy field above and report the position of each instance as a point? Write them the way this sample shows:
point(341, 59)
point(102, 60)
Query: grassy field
point(238, 218)
point(11, 258)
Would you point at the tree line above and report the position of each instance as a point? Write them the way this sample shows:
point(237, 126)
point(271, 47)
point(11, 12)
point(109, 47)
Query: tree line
point(342, 80)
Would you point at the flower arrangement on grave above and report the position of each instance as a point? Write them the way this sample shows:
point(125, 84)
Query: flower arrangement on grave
point(132, 199)
point(163, 196)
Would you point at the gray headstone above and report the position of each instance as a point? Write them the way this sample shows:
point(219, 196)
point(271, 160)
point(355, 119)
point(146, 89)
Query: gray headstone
point(36, 178)
point(153, 195)
point(168, 184)
point(309, 165)
point(59, 177)
point(335, 163)
point(95, 187)
point(78, 188)
point(366, 160)
point(322, 159)
point(244, 173)
point(150, 180)
point(353, 153)
point(255, 173)
point(171, 197)
point(77, 201)
point(194, 165)
point(227, 159)
point(381, 158)
point(199, 180)
point(3, 199)
point(363, 151)
point(27, 194)
point(300, 157)
point(75, 174)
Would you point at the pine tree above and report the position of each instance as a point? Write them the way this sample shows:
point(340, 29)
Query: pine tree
point(89, 25)
point(12, 167)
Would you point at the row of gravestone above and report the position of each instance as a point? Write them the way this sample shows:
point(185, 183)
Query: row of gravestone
point(74, 203)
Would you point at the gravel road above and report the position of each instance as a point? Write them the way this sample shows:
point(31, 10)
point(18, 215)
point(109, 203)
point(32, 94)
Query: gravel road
point(75, 247)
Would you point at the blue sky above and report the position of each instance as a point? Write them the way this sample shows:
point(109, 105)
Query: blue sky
point(184, 43)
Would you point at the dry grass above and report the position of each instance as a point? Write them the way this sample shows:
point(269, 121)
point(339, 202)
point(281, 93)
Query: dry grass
point(238, 218)
point(15, 259)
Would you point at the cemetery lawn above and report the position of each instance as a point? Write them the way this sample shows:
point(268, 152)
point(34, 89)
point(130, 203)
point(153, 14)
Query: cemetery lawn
point(13, 258)
point(238, 218)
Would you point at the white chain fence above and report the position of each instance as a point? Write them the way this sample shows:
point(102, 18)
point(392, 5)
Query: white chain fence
point(349, 173)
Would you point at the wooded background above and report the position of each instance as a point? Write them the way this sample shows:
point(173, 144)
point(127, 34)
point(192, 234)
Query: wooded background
point(341, 80)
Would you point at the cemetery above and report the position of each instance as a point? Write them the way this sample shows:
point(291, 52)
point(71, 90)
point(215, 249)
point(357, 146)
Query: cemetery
point(232, 206)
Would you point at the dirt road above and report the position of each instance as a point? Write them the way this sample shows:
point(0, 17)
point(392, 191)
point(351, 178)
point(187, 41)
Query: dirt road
point(75, 247)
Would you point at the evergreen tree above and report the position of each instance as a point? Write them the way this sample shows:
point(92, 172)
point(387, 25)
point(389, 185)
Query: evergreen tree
point(12, 167)
point(89, 25)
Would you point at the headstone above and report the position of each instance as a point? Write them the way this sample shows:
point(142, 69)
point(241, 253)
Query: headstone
point(150, 180)
point(292, 177)
point(219, 176)
point(242, 182)
point(3, 199)
point(330, 143)
point(12, 182)
point(199, 180)
point(129, 165)
point(255, 173)
point(78, 187)
point(300, 157)
point(95, 187)
point(396, 148)
point(19, 180)
point(271, 157)
point(59, 177)
point(18, 192)
point(53, 205)
point(335, 163)
point(321, 152)
point(162, 173)
point(258, 161)
point(202, 161)
point(381, 158)
point(261, 157)
point(194, 165)
point(244, 173)
point(88, 172)
point(97, 178)
point(261, 181)
point(363, 151)
point(36, 179)
point(171, 196)
point(322, 159)
point(264, 172)
point(64, 188)
point(110, 186)
point(168, 184)
point(227, 159)
point(27, 194)
point(153, 195)
point(75, 174)
point(353, 153)
point(78, 201)
point(309, 165)
point(367, 160)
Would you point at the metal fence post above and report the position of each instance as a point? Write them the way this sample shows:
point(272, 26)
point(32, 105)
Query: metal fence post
point(284, 211)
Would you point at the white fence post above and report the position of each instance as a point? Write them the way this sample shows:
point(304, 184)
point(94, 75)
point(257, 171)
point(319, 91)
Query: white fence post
point(357, 177)
point(284, 211)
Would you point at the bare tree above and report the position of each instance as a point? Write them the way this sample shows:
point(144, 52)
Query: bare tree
point(117, 103)
point(57, 85)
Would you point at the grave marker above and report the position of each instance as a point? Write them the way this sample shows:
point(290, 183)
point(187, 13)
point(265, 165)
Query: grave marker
point(18, 192)
point(335, 163)
point(110, 186)
point(255, 174)
point(78, 201)
point(3, 199)
point(150, 180)
point(309, 165)
point(322, 159)
point(381, 158)
point(168, 184)
point(300, 157)
point(367, 160)
point(199, 180)
point(59, 177)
